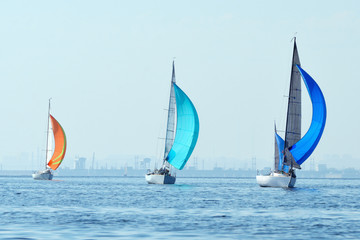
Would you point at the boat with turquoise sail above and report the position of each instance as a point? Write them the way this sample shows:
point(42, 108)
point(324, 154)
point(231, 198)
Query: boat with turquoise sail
point(182, 132)
point(293, 151)
point(55, 133)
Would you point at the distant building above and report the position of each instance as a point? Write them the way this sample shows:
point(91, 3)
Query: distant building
point(321, 168)
point(145, 163)
point(79, 163)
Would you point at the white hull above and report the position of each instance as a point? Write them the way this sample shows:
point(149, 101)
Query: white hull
point(276, 180)
point(43, 175)
point(159, 179)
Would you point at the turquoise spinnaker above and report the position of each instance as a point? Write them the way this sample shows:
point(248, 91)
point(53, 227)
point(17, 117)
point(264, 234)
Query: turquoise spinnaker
point(187, 130)
point(306, 145)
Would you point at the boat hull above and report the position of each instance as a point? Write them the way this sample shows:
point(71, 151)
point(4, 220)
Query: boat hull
point(276, 180)
point(43, 175)
point(159, 179)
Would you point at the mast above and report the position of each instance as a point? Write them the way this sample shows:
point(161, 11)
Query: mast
point(170, 128)
point(293, 118)
point(47, 135)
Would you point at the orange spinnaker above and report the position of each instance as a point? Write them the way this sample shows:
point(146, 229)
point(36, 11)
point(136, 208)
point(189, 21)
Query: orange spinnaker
point(60, 144)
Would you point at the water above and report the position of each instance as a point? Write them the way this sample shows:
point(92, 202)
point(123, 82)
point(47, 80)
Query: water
point(194, 208)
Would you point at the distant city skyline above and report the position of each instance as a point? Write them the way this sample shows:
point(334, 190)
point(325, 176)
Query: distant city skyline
point(32, 162)
point(312, 170)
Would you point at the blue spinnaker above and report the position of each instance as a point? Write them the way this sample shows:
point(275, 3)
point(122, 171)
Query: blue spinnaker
point(306, 145)
point(187, 130)
point(280, 143)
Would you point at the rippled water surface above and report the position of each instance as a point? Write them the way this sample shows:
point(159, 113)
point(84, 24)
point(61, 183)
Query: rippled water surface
point(193, 208)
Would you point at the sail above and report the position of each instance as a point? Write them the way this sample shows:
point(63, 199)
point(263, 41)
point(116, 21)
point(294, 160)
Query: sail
point(279, 146)
point(60, 144)
point(293, 119)
point(304, 147)
point(170, 129)
point(187, 130)
point(49, 146)
point(276, 153)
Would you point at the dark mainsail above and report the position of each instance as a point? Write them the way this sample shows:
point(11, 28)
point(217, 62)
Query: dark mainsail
point(293, 119)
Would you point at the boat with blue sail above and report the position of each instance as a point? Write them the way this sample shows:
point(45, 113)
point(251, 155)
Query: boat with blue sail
point(293, 151)
point(182, 132)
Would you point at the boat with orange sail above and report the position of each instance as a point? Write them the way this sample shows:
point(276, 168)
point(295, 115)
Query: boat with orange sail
point(57, 134)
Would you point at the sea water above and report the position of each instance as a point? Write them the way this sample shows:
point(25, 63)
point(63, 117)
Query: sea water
point(193, 208)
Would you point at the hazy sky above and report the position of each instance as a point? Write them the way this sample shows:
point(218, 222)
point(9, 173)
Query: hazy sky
point(107, 67)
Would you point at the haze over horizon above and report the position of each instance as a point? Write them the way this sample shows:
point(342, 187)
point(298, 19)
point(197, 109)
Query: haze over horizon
point(107, 67)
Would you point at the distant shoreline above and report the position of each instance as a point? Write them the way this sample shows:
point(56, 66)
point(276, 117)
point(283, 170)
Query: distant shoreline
point(218, 173)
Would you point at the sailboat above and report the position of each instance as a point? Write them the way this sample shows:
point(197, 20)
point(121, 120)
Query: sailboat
point(56, 132)
point(294, 150)
point(183, 118)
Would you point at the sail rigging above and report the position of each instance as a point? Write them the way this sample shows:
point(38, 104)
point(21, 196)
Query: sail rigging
point(60, 144)
point(187, 130)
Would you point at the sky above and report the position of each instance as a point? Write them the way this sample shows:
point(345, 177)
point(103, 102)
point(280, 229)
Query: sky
point(107, 67)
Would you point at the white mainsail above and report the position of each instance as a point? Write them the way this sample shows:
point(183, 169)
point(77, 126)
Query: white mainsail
point(49, 146)
point(170, 129)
